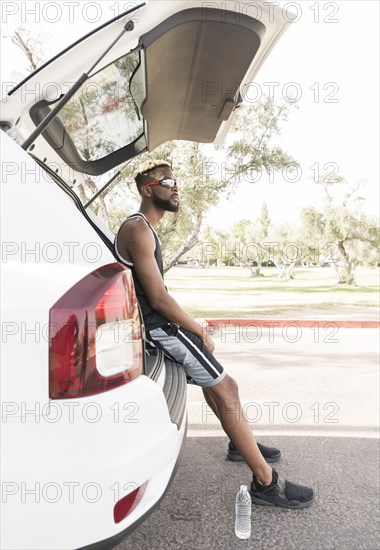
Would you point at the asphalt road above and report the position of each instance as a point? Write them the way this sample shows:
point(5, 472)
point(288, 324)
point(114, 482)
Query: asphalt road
point(198, 511)
point(315, 395)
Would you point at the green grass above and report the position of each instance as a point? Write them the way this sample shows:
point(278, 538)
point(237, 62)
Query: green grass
point(231, 292)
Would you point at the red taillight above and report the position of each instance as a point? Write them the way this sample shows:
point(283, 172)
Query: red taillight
point(95, 335)
point(127, 504)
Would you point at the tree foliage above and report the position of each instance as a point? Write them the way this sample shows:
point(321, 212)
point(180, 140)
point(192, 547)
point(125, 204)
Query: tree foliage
point(343, 237)
point(32, 43)
point(251, 149)
point(339, 234)
point(344, 232)
point(262, 242)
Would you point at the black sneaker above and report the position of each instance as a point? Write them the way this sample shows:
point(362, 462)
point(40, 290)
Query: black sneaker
point(269, 453)
point(281, 493)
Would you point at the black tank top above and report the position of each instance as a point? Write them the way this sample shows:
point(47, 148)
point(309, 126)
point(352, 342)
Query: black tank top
point(152, 319)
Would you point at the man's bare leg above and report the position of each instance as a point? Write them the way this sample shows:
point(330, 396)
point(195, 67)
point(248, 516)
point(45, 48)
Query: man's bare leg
point(224, 400)
point(210, 401)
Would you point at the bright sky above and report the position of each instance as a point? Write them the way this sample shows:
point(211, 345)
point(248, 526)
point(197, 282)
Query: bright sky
point(336, 69)
point(329, 57)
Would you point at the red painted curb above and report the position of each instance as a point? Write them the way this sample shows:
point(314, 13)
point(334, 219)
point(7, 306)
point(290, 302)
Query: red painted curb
point(280, 323)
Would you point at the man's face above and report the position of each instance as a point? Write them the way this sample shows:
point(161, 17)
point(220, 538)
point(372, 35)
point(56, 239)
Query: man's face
point(164, 197)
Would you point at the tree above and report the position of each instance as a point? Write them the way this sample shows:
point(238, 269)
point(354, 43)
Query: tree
point(242, 232)
point(283, 249)
point(254, 128)
point(340, 227)
point(262, 226)
point(278, 245)
point(32, 44)
point(262, 241)
point(214, 248)
point(251, 150)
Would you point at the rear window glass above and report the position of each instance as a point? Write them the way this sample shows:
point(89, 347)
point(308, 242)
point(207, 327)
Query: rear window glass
point(103, 115)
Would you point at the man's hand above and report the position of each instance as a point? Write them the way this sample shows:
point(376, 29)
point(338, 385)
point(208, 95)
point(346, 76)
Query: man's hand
point(209, 343)
point(206, 338)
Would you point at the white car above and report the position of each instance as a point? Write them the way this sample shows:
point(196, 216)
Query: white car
point(92, 426)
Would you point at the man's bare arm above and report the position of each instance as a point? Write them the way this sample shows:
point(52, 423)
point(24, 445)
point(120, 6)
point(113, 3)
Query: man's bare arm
point(137, 239)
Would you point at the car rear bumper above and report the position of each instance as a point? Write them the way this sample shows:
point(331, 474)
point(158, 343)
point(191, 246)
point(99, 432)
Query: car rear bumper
point(110, 543)
point(75, 460)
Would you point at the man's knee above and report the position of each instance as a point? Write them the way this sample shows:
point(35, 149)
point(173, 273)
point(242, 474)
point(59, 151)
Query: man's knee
point(227, 390)
point(231, 384)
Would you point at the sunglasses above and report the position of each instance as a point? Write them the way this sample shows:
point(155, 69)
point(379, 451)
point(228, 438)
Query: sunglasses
point(169, 183)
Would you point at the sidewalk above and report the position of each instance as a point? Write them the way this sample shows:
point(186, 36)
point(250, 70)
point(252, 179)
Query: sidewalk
point(321, 380)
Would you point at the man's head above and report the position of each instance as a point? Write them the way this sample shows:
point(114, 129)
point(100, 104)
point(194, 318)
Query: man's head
point(156, 182)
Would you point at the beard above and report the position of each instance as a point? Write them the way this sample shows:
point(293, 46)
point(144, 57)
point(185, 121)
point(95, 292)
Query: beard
point(166, 205)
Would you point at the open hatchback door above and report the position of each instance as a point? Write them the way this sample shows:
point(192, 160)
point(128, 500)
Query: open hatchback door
point(165, 71)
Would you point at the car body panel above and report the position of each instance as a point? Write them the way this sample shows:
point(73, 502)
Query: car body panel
point(47, 246)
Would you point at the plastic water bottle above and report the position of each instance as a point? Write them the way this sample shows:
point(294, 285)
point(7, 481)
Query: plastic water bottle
point(243, 509)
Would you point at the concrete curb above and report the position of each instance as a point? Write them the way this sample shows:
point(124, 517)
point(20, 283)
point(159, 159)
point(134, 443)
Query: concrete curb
point(281, 323)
